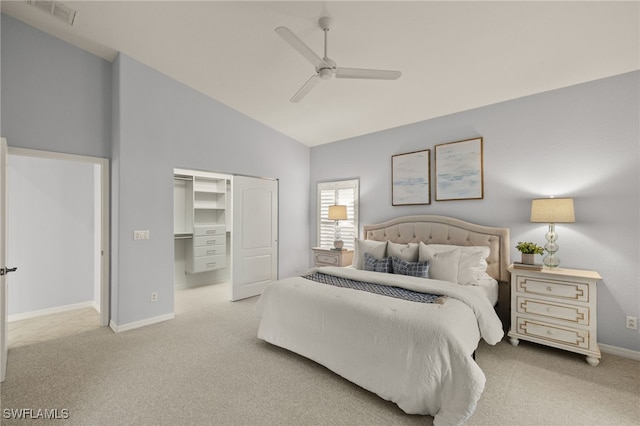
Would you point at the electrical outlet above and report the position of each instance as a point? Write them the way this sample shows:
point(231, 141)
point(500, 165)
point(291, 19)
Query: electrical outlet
point(632, 323)
point(154, 297)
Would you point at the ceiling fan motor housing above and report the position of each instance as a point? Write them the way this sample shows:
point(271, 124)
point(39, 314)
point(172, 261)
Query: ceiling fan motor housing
point(325, 73)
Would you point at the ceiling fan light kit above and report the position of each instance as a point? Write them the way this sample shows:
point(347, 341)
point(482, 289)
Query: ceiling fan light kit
point(326, 67)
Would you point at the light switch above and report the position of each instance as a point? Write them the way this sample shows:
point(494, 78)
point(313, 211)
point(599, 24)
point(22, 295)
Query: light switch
point(141, 235)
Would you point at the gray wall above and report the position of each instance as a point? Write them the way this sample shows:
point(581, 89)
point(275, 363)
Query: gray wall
point(55, 97)
point(162, 124)
point(580, 142)
point(50, 214)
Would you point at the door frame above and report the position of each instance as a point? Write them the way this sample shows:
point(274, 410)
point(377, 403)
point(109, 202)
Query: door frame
point(105, 244)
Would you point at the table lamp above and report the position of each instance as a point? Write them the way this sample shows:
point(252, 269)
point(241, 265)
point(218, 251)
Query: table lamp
point(337, 213)
point(552, 211)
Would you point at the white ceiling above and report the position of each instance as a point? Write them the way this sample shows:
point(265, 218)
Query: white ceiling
point(453, 55)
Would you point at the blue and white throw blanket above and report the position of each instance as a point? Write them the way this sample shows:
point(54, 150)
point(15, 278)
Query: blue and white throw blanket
point(385, 290)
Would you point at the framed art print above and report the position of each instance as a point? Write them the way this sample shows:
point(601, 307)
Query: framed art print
point(410, 178)
point(459, 170)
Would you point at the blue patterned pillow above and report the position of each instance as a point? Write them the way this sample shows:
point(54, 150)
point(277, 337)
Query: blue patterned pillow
point(414, 269)
point(377, 265)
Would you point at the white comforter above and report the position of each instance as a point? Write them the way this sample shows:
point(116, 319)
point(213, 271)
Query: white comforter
point(417, 355)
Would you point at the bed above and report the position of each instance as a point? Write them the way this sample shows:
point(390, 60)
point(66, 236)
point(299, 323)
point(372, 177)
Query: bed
point(418, 354)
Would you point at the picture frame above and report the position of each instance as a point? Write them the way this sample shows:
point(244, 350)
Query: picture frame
point(459, 170)
point(411, 178)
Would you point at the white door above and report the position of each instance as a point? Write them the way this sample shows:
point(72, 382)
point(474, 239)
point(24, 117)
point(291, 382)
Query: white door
point(4, 314)
point(254, 235)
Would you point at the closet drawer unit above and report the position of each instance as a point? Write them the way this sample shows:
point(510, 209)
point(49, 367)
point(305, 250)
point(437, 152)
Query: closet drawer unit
point(209, 250)
point(209, 230)
point(553, 333)
point(576, 314)
point(209, 263)
point(218, 240)
point(566, 290)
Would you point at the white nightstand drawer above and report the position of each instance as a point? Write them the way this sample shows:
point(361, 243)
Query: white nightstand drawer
point(324, 256)
point(568, 290)
point(209, 241)
point(328, 258)
point(209, 230)
point(554, 333)
point(577, 314)
point(209, 263)
point(209, 250)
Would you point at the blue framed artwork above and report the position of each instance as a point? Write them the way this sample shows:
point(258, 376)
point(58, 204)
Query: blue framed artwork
point(410, 178)
point(459, 170)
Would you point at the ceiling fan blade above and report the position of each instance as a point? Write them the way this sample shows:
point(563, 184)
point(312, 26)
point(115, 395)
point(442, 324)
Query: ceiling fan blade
point(302, 48)
point(367, 73)
point(306, 88)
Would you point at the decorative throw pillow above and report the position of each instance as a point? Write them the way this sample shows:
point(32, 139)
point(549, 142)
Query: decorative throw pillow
point(377, 265)
point(473, 262)
point(377, 249)
point(414, 269)
point(443, 265)
point(408, 252)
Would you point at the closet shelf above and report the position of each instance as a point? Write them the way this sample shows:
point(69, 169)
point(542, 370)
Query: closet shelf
point(183, 235)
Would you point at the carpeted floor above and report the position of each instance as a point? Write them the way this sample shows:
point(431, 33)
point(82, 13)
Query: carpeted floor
point(206, 367)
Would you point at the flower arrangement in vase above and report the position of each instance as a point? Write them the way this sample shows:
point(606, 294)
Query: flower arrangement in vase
point(529, 251)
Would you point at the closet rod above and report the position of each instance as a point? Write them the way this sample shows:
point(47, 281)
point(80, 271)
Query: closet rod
point(182, 177)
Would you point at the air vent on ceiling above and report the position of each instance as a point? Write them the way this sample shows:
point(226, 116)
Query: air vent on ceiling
point(57, 9)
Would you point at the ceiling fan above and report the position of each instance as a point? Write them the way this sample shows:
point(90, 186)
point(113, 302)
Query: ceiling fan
point(326, 67)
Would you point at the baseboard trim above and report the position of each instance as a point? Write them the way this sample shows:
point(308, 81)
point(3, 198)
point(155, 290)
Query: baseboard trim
point(50, 311)
point(623, 352)
point(137, 324)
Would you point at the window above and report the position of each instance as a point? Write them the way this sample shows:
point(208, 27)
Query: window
point(344, 192)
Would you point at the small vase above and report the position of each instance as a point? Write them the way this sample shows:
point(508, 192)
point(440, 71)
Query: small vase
point(528, 258)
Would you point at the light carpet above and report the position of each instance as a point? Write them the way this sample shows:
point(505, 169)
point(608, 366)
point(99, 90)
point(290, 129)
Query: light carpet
point(206, 367)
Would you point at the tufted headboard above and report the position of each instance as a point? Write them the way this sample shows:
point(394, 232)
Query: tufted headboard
point(447, 230)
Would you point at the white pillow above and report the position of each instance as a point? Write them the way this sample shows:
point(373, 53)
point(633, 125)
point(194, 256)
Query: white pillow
point(408, 252)
point(473, 261)
point(443, 264)
point(377, 249)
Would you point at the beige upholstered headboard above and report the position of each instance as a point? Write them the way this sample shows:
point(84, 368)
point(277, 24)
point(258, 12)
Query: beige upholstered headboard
point(447, 230)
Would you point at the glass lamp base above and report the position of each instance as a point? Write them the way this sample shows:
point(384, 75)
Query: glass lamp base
point(551, 260)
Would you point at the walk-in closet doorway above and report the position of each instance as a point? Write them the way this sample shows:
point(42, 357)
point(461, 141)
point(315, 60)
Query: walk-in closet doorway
point(225, 235)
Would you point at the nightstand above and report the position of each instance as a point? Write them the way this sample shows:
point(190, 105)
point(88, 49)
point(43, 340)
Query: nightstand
point(324, 256)
point(555, 307)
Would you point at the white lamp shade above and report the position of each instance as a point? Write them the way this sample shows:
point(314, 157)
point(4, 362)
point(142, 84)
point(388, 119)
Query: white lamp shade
point(552, 210)
point(337, 213)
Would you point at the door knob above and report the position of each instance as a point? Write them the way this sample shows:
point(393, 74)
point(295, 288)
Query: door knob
point(5, 271)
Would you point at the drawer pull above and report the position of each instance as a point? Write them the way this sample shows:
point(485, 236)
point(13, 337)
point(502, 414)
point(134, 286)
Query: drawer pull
point(549, 332)
point(211, 252)
point(211, 264)
point(549, 289)
point(211, 231)
point(211, 242)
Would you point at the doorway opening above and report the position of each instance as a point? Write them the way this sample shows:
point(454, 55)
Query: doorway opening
point(58, 236)
point(225, 237)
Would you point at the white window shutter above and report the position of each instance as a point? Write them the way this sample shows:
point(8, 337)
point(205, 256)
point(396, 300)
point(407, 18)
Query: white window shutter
point(340, 193)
